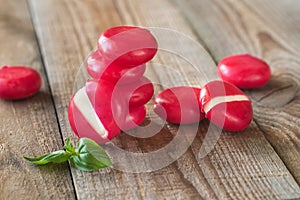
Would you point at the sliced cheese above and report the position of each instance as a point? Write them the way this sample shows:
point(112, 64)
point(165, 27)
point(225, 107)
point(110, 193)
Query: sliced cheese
point(84, 105)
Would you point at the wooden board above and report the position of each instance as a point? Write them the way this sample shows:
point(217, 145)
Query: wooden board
point(149, 17)
point(28, 127)
point(242, 166)
point(268, 30)
point(62, 67)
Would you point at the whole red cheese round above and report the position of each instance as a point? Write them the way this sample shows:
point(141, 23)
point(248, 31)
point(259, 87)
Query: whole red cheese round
point(127, 45)
point(244, 71)
point(179, 105)
point(18, 82)
point(99, 68)
point(136, 93)
point(134, 118)
point(226, 106)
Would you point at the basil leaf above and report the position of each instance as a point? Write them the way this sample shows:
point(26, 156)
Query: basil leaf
point(56, 157)
point(80, 164)
point(86, 145)
point(90, 156)
point(69, 146)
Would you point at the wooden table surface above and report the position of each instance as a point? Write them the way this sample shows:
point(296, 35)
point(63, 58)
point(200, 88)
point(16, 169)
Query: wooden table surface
point(55, 36)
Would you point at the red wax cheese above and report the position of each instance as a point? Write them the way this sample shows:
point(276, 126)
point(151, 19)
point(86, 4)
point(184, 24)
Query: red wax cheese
point(244, 71)
point(226, 106)
point(92, 117)
point(98, 68)
point(127, 45)
point(96, 113)
point(18, 82)
point(179, 105)
point(136, 116)
point(136, 93)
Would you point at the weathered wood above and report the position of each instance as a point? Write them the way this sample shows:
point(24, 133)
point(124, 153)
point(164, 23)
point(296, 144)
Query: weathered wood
point(28, 127)
point(147, 14)
point(241, 166)
point(71, 40)
point(267, 29)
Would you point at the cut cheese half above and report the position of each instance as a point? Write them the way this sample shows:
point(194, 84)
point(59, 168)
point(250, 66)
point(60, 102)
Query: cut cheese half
point(84, 105)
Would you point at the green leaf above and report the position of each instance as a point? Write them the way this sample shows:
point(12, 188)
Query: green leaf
point(56, 157)
point(90, 156)
point(69, 146)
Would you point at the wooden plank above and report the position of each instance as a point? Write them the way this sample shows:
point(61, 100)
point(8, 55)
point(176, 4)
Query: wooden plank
point(28, 127)
point(268, 30)
point(235, 165)
point(224, 173)
point(71, 40)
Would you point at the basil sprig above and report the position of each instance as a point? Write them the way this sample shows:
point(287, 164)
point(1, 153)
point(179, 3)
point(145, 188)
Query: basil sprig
point(88, 156)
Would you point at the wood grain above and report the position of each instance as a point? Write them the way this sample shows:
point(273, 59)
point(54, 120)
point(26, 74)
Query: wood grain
point(268, 30)
point(241, 166)
point(72, 35)
point(241, 183)
point(28, 127)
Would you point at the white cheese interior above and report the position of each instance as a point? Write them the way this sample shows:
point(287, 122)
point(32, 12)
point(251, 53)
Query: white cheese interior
point(223, 99)
point(82, 102)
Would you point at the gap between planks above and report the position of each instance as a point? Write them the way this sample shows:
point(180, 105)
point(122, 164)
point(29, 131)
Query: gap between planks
point(49, 88)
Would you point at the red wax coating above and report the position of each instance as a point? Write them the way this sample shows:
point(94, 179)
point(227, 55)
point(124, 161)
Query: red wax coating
point(81, 127)
point(18, 82)
point(127, 45)
point(244, 71)
point(124, 116)
point(230, 108)
point(71, 115)
point(100, 109)
point(100, 95)
point(179, 105)
point(136, 117)
point(98, 68)
point(110, 109)
point(136, 93)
